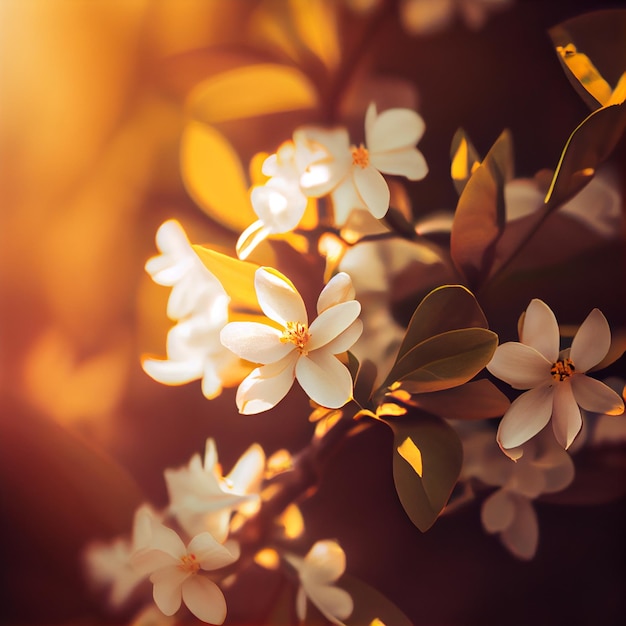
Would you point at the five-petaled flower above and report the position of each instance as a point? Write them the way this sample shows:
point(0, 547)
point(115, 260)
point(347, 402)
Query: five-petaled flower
point(292, 348)
point(558, 386)
point(320, 568)
point(175, 570)
point(354, 177)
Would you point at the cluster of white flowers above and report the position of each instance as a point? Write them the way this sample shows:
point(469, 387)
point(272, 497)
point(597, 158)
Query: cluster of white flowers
point(204, 507)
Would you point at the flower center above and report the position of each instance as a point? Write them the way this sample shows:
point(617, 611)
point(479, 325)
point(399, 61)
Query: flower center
point(298, 334)
point(562, 369)
point(360, 156)
point(189, 563)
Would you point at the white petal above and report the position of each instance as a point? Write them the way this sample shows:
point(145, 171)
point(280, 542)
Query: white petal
point(592, 341)
point(324, 379)
point(409, 163)
point(266, 386)
point(204, 599)
point(278, 299)
point(526, 416)
point(566, 418)
point(334, 603)
point(393, 129)
point(324, 563)
point(332, 322)
point(560, 475)
point(498, 511)
point(527, 479)
point(248, 472)
point(210, 553)
point(345, 340)
point(593, 395)
point(279, 205)
point(373, 189)
point(540, 330)
point(339, 289)
point(149, 560)
point(520, 365)
point(167, 590)
point(257, 343)
point(522, 536)
point(301, 604)
point(173, 372)
point(345, 200)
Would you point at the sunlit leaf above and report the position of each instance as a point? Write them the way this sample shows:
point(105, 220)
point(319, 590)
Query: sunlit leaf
point(587, 147)
point(446, 360)
point(477, 399)
point(464, 160)
point(448, 307)
point(236, 276)
point(590, 48)
point(214, 176)
point(250, 91)
point(370, 606)
point(480, 213)
point(427, 443)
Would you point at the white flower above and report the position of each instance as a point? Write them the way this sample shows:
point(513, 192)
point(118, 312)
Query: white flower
point(556, 380)
point(175, 571)
point(353, 176)
point(322, 566)
point(544, 468)
point(295, 349)
point(202, 500)
point(199, 302)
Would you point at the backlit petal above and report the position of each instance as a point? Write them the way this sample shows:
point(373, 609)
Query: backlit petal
point(526, 416)
point(498, 511)
point(339, 289)
point(540, 330)
point(593, 395)
point(324, 379)
point(592, 341)
point(522, 536)
point(346, 339)
point(324, 563)
point(210, 553)
point(345, 200)
point(173, 372)
point(334, 603)
point(204, 599)
point(167, 593)
point(266, 386)
point(373, 189)
point(520, 365)
point(332, 322)
point(278, 299)
point(394, 129)
point(409, 163)
point(566, 418)
point(258, 343)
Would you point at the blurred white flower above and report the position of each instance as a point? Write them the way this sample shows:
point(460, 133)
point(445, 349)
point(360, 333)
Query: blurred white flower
point(201, 499)
point(353, 175)
point(421, 17)
point(544, 468)
point(556, 380)
point(200, 305)
point(294, 349)
point(321, 567)
point(174, 570)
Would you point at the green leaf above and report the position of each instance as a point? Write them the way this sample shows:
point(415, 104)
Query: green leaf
point(475, 400)
point(364, 382)
point(424, 480)
point(446, 308)
point(480, 213)
point(464, 159)
point(370, 604)
point(587, 148)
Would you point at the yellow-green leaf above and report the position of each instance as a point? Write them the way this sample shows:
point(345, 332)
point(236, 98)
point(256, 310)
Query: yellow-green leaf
point(214, 176)
point(446, 360)
point(424, 495)
point(250, 91)
point(448, 307)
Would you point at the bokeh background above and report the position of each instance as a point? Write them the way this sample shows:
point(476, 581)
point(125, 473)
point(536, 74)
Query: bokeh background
point(92, 110)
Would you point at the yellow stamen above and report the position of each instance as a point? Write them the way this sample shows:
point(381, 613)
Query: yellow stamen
point(360, 156)
point(189, 563)
point(562, 369)
point(298, 334)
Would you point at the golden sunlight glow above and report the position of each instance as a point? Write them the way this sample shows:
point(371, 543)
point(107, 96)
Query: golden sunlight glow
point(267, 558)
point(292, 521)
point(377, 622)
point(326, 423)
point(585, 71)
point(281, 461)
point(411, 454)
